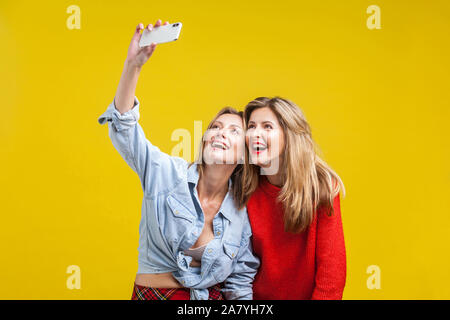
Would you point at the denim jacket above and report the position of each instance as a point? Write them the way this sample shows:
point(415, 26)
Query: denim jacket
point(172, 218)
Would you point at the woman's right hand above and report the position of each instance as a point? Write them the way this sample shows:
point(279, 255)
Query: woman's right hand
point(138, 56)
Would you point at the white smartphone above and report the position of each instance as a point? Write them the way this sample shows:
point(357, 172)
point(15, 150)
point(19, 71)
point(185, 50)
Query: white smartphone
point(169, 32)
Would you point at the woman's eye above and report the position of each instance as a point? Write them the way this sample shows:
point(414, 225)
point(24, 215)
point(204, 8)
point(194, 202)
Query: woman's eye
point(268, 126)
point(251, 126)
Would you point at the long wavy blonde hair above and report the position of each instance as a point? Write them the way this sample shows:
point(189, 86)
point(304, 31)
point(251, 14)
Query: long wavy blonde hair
point(309, 182)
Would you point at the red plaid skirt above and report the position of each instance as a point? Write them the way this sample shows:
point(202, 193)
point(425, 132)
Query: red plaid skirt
point(149, 293)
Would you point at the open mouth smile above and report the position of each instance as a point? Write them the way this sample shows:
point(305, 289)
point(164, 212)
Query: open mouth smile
point(219, 145)
point(258, 147)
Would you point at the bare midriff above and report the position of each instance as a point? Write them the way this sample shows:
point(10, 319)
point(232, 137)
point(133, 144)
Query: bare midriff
point(157, 280)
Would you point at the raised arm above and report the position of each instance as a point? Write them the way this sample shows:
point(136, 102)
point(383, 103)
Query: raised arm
point(156, 170)
point(136, 58)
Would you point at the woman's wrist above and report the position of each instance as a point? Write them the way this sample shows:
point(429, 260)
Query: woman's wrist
point(132, 66)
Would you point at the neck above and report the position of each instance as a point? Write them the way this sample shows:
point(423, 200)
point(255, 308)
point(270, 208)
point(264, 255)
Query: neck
point(274, 178)
point(214, 181)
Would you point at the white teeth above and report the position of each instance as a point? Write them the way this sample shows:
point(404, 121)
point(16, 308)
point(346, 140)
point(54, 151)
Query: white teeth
point(218, 145)
point(259, 147)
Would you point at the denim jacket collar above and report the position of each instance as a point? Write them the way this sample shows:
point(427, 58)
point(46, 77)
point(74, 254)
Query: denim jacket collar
point(227, 208)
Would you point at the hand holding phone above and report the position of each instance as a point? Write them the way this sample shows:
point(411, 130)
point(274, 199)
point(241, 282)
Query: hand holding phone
point(137, 56)
point(160, 34)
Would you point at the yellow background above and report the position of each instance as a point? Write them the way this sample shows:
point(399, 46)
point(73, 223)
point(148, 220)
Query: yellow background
point(377, 102)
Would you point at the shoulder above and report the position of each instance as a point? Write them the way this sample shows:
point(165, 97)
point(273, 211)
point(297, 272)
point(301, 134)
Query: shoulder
point(245, 222)
point(326, 214)
point(168, 172)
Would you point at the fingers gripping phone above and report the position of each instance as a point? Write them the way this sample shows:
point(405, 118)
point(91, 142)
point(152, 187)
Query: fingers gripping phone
point(169, 32)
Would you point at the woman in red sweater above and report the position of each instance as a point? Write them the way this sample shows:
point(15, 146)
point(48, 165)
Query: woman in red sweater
point(293, 206)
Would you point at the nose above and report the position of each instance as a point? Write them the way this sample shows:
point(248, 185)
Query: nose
point(255, 134)
point(220, 133)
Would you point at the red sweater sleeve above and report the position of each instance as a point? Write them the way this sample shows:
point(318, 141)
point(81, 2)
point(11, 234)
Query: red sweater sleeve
point(330, 255)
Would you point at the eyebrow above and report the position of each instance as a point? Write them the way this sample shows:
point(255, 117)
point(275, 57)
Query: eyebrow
point(231, 125)
point(267, 121)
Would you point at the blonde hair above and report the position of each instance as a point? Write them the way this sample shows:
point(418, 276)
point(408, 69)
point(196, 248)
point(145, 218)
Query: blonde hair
point(237, 175)
point(309, 182)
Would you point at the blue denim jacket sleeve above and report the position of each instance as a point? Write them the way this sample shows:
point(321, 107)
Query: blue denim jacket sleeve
point(239, 284)
point(157, 170)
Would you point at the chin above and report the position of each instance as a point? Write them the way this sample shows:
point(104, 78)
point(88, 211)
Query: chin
point(262, 162)
point(215, 159)
point(259, 162)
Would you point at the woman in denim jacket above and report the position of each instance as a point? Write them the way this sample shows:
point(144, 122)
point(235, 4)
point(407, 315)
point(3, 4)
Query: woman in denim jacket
point(195, 234)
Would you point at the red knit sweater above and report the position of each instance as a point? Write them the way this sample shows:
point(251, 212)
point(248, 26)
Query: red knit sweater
point(309, 265)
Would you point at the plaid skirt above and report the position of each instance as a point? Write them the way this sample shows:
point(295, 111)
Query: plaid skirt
point(149, 293)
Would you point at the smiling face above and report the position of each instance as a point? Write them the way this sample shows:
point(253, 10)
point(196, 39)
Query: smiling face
point(224, 141)
point(265, 137)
